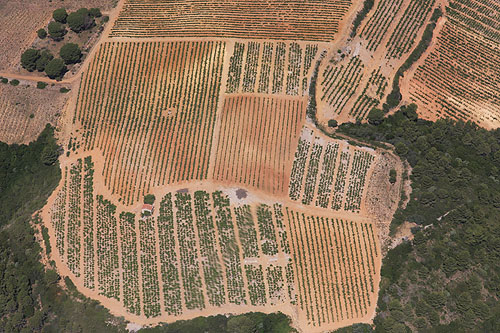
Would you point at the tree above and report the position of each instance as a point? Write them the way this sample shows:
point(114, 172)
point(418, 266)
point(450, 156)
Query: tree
point(401, 149)
point(56, 30)
point(60, 15)
point(45, 57)
point(29, 58)
point(80, 20)
point(376, 116)
point(332, 123)
point(149, 199)
point(95, 12)
point(42, 33)
point(392, 176)
point(70, 53)
point(55, 69)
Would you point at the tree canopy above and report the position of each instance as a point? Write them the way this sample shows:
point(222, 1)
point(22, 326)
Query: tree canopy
point(60, 15)
point(70, 53)
point(55, 68)
point(56, 30)
point(29, 59)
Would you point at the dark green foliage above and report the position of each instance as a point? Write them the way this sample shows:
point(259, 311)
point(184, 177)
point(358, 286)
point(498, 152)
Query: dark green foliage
point(31, 300)
point(14, 82)
point(332, 123)
point(29, 58)
point(80, 20)
point(55, 69)
point(149, 199)
point(56, 30)
point(392, 176)
point(45, 57)
point(42, 33)
point(245, 323)
point(5, 80)
point(60, 15)
point(95, 12)
point(376, 116)
point(70, 53)
point(367, 6)
point(64, 90)
point(448, 277)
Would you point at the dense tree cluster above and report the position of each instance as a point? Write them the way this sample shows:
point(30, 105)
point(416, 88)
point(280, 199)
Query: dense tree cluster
point(448, 278)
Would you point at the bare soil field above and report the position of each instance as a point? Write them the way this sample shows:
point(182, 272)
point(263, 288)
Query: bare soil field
point(25, 110)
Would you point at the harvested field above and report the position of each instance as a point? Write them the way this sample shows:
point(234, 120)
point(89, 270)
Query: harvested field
point(460, 77)
point(256, 141)
point(150, 109)
point(203, 253)
point(25, 110)
point(276, 19)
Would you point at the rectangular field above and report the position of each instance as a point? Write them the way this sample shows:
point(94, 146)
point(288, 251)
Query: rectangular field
point(256, 140)
point(150, 109)
point(315, 20)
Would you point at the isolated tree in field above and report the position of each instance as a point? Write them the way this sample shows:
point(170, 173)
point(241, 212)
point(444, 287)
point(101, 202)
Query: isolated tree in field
point(56, 30)
point(29, 58)
point(45, 57)
point(55, 69)
point(332, 123)
point(376, 116)
point(80, 20)
point(60, 15)
point(70, 53)
point(41, 33)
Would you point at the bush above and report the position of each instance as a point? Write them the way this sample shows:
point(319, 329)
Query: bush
point(5, 80)
point(56, 30)
point(14, 82)
point(41, 85)
point(149, 199)
point(60, 15)
point(105, 18)
point(55, 69)
point(70, 53)
point(95, 12)
point(44, 59)
point(392, 176)
point(42, 33)
point(29, 58)
point(332, 123)
point(64, 90)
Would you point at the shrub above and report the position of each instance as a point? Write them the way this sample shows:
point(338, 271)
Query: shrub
point(42, 33)
point(32, 116)
point(29, 58)
point(149, 199)
point(332, 123)
point(392, 176)
point(5, 80)
point(14, 82)
point(41, 85)
point(60, 15)
point(55, 69)
point(64, 90)
point(70, 53)
point(56, 30)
